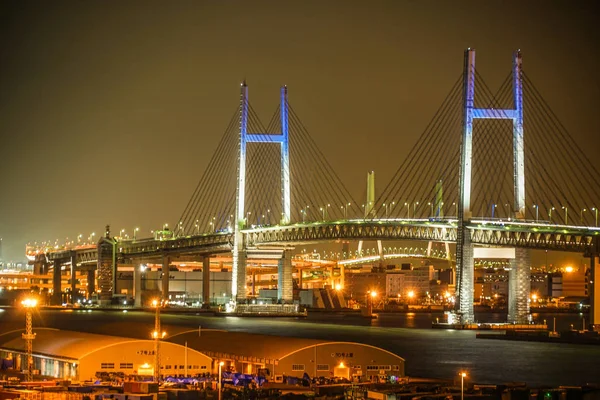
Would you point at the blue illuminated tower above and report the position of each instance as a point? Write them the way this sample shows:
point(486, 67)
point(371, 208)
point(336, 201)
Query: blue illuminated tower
point(519, 275)
point(238, 278)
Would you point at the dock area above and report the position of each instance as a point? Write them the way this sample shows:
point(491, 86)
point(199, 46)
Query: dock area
point(570, 337)
point(501, 326)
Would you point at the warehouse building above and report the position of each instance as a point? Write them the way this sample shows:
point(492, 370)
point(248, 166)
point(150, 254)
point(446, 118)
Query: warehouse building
point(275, 356)
point(80, 356)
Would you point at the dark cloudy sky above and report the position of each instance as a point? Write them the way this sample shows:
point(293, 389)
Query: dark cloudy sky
point(109, 110)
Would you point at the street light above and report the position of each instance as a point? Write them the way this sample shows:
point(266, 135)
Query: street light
point(220, 366)
point(135, 231)
point(550, 213)
point(537, 210)
point(387, 207)
point(566, 214)
point(494, 209)
point(455, 209)
point(596, 210)
point(157, 335)
point(508, 210)
point(414, 209)
point(462, 385)
point(581, 216)
point(324, 210)
point(28, 336)
point(407, 211)
point(430, 204)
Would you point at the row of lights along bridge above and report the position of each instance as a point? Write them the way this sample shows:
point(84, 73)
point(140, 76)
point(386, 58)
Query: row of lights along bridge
point(264, 219)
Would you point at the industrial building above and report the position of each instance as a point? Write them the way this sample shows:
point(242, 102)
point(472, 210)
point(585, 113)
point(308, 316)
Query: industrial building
point(275, 356)
point(80, 356)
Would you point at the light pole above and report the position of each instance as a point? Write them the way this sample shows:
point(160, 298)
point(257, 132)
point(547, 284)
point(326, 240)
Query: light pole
point(455, 209)
point(121, 233)
point(157, 335)
point(415, 209)
point(462, 385)
point(494, 209)
point(29, 304)
point(323, 211)
point(550, 213)
point(537, 210)
point(596, 210)
point(508, 210)
point(345, 207)
point(566, 214)
point(135, 231)
point(407, 211)
point(430, 204)
point(220, 366)
point(581, 216)
point(268, 216)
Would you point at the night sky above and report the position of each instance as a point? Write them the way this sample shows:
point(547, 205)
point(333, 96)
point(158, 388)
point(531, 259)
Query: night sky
point(109, 111)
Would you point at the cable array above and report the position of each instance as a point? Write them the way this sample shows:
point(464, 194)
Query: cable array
point(562, 183)
point(317, 193)
point(559, 177)
point(433, 159)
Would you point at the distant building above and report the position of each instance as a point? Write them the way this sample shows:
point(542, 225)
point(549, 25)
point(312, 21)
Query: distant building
point(357, 284)
point(569, 284)
point(540, 284)
point(415, 280)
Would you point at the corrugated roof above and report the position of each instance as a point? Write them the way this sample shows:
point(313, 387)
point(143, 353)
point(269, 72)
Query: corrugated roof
point(225, 344)
point(60, 344)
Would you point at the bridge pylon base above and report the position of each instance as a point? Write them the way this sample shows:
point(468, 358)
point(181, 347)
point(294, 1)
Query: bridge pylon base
point(466, 284)
point(285, 284)
point(240, 258)
point(519, 287)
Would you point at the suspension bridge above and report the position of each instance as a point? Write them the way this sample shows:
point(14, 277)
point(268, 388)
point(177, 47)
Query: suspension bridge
point(491, 169)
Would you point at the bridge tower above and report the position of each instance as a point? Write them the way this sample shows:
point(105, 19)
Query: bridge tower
point(238, 278)
point(520, 267)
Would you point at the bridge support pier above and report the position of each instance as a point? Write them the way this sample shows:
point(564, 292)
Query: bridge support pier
point(519, 287)
point(166, 262)
point(137, 286)
point(285, 286)
point(466, 272)
point(74, 293)
point(594, 293)
point(107, 268)
point(206, 282)
point(91, 282)
point(239, 275)
point(56, 284)
point(299, 271)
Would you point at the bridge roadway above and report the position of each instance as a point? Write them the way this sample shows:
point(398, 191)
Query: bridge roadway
point(274, 242)
point(485, 232)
